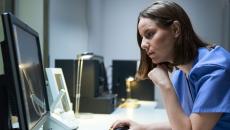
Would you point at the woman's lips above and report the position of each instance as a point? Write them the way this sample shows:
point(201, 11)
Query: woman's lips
point(151, 54)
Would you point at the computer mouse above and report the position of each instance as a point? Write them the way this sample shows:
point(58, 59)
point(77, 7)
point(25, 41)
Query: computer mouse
point(122, 128)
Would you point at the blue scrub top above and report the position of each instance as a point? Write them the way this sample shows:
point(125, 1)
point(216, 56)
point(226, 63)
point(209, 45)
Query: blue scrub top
point(207, 87)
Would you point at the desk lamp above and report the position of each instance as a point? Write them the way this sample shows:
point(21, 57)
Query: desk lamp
point(130, 102)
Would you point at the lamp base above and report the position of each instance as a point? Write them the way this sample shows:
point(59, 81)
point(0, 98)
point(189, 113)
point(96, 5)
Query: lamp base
point(130, 103)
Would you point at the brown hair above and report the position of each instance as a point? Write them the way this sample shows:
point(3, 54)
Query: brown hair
point(187, 44)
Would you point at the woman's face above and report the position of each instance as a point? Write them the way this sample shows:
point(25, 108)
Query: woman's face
point(156, 41)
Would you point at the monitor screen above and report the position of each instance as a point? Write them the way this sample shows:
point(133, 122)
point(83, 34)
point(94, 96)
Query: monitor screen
point(22, 55)
point(31, 75)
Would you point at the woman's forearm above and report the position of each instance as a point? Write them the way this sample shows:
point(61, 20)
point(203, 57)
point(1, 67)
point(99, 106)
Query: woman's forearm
point(177, 118)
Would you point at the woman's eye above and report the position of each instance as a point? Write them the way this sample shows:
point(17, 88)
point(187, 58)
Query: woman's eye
point(149, 35)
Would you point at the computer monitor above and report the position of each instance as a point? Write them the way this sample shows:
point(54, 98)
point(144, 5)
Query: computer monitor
point(23, 77)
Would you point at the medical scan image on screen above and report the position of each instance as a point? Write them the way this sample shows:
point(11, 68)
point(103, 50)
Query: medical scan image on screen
point(31, 75)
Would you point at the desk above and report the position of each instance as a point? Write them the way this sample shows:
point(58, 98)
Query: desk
point(146, 113)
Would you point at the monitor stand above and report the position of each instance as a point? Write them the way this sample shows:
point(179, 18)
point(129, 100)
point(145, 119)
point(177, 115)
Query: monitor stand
point(67, 121)
point(60, 121)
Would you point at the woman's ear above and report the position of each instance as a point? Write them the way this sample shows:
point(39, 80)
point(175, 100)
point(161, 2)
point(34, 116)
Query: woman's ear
point(176, 28)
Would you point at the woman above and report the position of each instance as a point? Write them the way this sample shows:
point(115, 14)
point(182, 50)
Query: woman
point(198, 97)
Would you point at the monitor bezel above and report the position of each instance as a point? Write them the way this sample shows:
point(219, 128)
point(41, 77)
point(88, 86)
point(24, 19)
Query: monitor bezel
point(11, 68)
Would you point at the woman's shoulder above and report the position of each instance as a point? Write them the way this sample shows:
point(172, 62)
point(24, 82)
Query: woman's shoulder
point(211, 61)
point(215, 58)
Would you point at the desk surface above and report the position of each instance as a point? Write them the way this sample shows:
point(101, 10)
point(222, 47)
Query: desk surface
point(146, 113)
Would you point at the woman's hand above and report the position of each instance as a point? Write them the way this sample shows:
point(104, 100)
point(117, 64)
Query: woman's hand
point(159, 76)
point(126, 122)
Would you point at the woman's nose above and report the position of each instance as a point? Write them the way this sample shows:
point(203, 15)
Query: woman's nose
point(144, 44)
